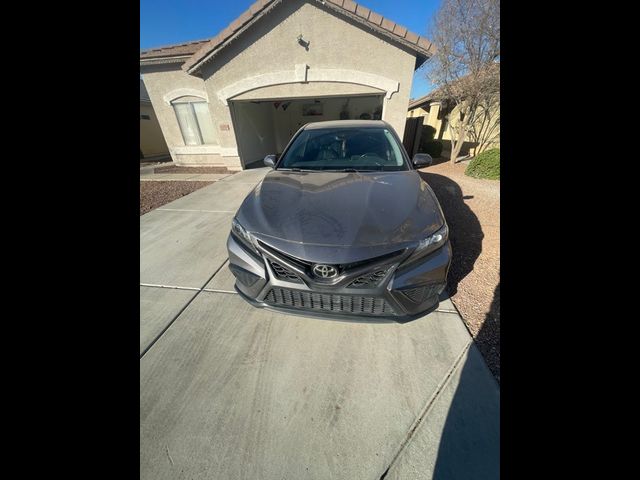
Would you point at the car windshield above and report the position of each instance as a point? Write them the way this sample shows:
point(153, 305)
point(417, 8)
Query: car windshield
point(344, 149)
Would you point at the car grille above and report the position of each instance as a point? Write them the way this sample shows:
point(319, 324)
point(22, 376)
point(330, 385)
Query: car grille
point(362, 281)
point(368, 280)
point(293, 260)
point(349, 304)
point(419, 294)
point(283, 273)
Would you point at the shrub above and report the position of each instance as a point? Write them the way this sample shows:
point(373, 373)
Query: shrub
point(433, 148)
point(427, 134)
point(485, 165)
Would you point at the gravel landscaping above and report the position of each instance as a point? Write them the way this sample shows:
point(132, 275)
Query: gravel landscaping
point(156, 194)
point(472, 209)
point(194, 170)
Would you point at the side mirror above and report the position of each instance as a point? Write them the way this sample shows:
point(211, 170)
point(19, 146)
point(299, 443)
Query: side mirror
point(270, 161)
point(422, 160)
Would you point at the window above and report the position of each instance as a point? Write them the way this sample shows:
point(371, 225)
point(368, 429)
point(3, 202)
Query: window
point(145, 117)
point(194, 120)
point(361, 149)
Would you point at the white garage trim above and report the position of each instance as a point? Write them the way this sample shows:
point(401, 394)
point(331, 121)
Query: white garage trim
point(184, 92)
point(304, 74)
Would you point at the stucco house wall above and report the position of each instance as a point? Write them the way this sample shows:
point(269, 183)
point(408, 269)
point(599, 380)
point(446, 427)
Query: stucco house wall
point(418, 112)
point(431, 112)
point(491, 124)
point(164, 84)
point(151, 139)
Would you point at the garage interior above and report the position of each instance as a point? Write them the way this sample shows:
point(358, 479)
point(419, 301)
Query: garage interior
point(264, 127)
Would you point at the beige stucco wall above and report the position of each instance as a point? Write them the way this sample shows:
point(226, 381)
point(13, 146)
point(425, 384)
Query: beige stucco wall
point(162, 83)
point(442, 129)
point(417, 112)
point(353, 57)
point(492, 123)
point(151, 139)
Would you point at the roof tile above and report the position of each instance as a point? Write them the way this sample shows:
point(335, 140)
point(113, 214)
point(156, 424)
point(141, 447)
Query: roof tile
point(362, 11)
point(388, 24)
point(337, 2)
point(424, 43)
point(350, 5)
point(228, 31)
point(256, 7)
point(375, 18)
point(244, 18)
point(187, 48)
point(412, 37)
point(400, 30)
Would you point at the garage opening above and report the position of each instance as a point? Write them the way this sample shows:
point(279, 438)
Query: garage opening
point(265, 127)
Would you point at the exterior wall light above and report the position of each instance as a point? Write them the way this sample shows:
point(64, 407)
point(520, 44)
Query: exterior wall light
point(303, 42)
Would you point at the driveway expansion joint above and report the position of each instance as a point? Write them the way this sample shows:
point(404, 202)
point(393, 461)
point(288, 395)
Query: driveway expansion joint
point(427, 408)
point(216, 290)
point(198, 291)
point(174, 287)
point(184, 210)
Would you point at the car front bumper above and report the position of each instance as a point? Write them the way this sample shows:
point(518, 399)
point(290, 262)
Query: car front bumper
point(399, 293)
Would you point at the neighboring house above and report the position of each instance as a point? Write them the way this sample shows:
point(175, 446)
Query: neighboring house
point(242, 94)
point(438, 112)
point(429, 108)
point(152, 142)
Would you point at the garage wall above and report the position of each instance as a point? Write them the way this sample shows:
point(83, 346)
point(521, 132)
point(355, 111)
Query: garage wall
point(256, 136)
point(287, 122)
point(336, 42)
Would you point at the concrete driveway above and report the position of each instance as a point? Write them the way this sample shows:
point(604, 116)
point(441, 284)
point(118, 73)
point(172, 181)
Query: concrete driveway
point(230, 391)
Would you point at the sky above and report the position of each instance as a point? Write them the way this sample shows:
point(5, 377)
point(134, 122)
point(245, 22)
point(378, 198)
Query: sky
point(164, 22)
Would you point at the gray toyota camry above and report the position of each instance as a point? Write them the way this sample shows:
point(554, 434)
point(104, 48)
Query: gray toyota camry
point(343, 226)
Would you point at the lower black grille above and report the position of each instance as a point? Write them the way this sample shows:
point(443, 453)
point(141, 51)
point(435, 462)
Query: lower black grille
point(419, 294)
point(369, 280)
point(350, 304)
point(283, 273)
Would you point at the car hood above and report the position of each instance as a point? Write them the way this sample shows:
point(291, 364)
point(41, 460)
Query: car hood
point(379, 212)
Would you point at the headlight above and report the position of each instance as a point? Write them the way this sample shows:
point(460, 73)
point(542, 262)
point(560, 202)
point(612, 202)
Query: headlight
point(429, 244)
point(241, 234)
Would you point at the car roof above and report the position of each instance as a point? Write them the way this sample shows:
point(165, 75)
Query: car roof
point(346, 124)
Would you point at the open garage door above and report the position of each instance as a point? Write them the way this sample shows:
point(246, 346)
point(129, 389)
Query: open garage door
point(265, 127)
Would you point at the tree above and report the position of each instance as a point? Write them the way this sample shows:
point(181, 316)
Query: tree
point(466, 70)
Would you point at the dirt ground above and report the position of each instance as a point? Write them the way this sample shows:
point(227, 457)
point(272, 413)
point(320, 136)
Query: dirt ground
point(155, 194)
point(194, 170)
point(472, 209)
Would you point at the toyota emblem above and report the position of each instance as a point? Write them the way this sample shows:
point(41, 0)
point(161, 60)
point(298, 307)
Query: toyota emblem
point(325, 271)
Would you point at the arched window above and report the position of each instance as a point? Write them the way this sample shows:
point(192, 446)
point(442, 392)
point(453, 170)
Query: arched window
point(194, 120)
